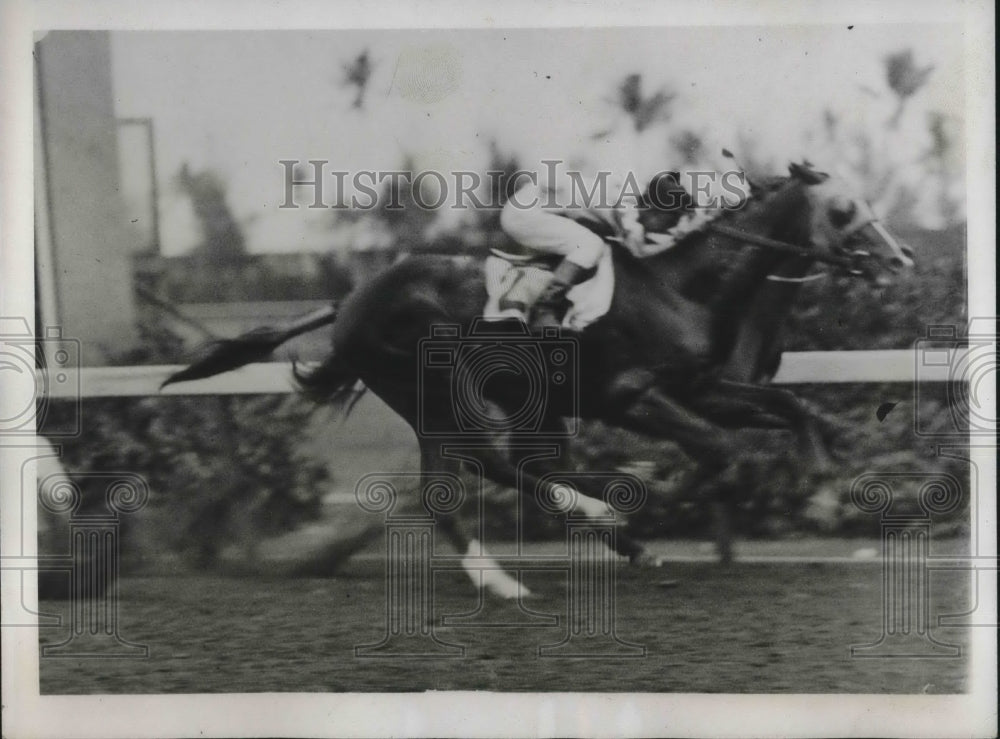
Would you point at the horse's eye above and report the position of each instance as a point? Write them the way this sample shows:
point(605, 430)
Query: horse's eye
point(842, 214)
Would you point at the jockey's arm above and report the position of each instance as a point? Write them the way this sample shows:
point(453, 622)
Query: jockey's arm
point(619, 224)
point(633, 234)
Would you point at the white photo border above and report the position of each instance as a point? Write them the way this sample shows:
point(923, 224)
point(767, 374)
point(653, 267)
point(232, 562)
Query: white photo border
point(26, 713)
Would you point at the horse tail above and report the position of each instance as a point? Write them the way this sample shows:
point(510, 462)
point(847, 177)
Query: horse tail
point(253, 346)
point(385, 318)
point(332, 381)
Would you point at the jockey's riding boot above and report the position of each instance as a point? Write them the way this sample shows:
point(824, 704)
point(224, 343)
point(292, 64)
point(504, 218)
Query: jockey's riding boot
point(550, 307)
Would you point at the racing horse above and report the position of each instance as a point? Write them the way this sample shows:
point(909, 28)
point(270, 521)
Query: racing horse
point(685, 352)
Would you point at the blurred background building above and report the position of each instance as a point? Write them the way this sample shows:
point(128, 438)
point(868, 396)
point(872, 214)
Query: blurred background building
point(84, 247)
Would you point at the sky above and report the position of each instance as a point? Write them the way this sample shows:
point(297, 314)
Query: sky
point(238, 102)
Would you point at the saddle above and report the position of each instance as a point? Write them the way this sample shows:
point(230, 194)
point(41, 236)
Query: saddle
point(515, 279)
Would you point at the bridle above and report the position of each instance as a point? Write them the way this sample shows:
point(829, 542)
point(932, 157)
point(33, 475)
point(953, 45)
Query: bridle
point(848, 259)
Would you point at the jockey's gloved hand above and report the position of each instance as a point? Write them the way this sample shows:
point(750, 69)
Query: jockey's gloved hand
point(633, 235)
point(635, 240)
point(656, 242)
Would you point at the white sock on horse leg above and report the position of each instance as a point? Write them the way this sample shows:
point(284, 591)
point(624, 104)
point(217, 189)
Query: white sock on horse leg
point(591, 507)
point(485, 572)
point(578, 503)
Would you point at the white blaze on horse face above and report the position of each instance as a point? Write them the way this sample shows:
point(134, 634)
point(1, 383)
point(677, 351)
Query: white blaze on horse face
point(837, 212)
point(485, 572)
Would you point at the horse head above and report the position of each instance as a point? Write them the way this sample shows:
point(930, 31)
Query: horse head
point(843, 223)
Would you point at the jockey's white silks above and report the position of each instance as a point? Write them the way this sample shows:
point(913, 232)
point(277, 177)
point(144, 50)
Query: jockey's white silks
point(589, 300)
point(548, 232)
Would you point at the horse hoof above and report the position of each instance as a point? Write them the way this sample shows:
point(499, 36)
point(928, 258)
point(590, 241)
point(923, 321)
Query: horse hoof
point(506, 591)
point(508, 595)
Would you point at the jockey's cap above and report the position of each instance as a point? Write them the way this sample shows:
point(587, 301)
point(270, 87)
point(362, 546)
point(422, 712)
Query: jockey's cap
point(665, 193)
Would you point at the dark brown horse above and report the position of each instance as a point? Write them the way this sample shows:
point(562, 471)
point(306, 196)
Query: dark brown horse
point(684, 353)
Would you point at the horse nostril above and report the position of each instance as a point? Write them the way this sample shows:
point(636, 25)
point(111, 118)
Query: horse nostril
point(907, 251)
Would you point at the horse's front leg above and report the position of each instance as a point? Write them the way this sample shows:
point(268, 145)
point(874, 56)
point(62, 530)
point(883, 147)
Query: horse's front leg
point(641, 405)
point(764, 406)
point(638, 403)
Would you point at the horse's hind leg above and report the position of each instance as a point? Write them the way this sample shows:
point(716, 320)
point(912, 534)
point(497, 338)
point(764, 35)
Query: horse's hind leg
point(499, 469)
point(337, 553)
point(477, 563)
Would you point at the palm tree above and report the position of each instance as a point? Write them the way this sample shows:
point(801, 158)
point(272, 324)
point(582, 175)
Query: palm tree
point(643, 111)
point(222, 234)
point(637, 113)
point(690, 145)
point(356, 74)
point(904, 79)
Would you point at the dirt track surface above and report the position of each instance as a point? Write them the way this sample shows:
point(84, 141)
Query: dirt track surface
point(748, 628)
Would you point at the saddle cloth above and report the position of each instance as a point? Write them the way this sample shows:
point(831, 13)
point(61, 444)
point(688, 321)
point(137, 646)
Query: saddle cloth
point(523, 283)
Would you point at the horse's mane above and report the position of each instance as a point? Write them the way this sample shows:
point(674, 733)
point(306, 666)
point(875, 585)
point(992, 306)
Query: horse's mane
point(760, 189)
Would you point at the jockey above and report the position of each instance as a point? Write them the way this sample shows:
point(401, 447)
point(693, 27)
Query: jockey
point(571, 232)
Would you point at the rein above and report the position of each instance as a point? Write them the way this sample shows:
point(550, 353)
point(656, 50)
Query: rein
point(848, 262)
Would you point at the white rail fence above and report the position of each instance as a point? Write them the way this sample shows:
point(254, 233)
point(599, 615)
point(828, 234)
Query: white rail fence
point(797, 368)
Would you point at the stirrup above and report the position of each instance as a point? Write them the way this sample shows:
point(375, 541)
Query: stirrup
point(550, 309)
